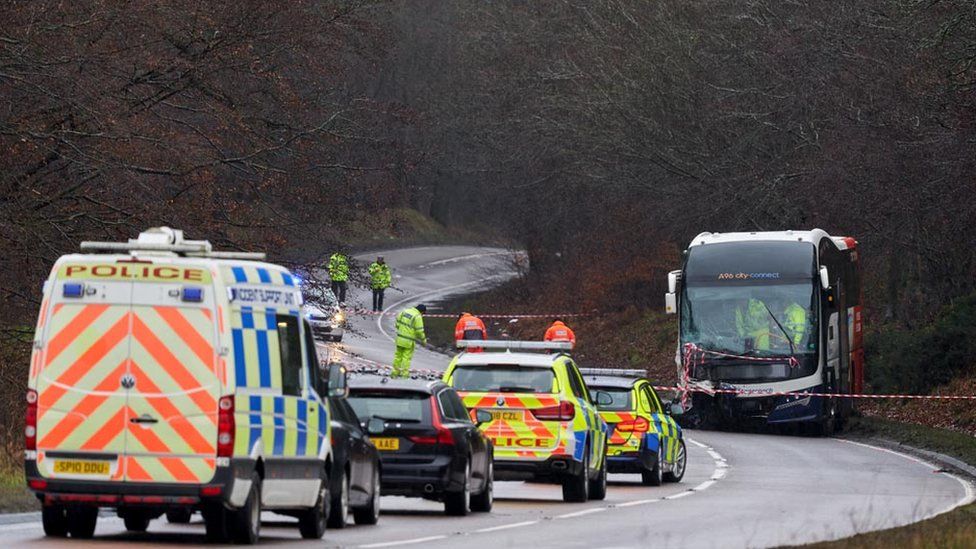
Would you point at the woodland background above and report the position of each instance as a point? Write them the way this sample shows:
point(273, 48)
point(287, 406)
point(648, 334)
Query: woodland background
point(600, 136)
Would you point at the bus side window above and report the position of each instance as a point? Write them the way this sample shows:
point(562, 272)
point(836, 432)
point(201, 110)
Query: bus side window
point(290, 348)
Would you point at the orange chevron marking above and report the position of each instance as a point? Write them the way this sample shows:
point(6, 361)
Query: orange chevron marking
point(171, 365)
point(81, 411)
point(111, 429)
point(134, 471)
point(172, 414)
point(193, 340)
point(149, 440)
point(178, 469)
point(112, 337)
point(70, 332)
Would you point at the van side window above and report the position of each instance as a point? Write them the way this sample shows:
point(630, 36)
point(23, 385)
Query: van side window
point(290, 346)
point(315, 373)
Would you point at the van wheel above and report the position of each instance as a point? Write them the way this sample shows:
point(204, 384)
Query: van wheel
point(370, 514)
point(598, 486)
point(576, 488)
point(311, 522)
point(339, 513)
point(680, 462)
point(55, 521)
point(654, 476)
point(483, 502)
point(135, 521)
point(216, 522)
point(179, 516)
point(458, 504)
point(246, 521)
point(81, 521)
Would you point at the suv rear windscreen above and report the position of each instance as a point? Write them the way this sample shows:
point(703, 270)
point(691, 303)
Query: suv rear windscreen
point(504, 378)
point(405, 407)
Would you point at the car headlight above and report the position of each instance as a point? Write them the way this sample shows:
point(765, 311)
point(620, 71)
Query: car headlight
point(339, 317)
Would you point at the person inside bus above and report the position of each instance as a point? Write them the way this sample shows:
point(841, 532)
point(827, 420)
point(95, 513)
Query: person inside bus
point(752, 324)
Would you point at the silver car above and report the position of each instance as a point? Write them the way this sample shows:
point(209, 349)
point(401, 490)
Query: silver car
point(327, 319)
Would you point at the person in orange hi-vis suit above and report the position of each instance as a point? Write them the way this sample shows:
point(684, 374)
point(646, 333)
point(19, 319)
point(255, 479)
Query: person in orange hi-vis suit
point(560, 332)
point(470, 327)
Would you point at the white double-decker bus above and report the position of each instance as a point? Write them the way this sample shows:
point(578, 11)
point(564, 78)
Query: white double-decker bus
point(766, 313)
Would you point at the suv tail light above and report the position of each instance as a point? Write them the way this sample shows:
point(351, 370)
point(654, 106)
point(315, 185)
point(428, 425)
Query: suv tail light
point(639, 425)
point(443, 436)
point(225, 427)
point(30, 423)
point(564, 411)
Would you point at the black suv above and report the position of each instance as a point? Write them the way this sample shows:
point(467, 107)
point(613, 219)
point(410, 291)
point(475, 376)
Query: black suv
point(428, 445)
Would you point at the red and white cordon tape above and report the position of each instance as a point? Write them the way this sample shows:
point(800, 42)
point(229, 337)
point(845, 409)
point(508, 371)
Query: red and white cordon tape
point(754, 392)
point(364, 312)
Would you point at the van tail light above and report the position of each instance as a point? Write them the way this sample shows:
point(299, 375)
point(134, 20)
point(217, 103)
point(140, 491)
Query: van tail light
point(225, 427)
point(443, 436)
point(639, 425)
point(564, 411)
point(30, 421)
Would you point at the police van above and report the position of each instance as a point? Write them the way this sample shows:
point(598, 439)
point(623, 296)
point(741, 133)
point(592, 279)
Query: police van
point(167, 377)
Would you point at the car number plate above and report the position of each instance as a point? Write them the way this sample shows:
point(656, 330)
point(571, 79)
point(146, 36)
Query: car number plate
point(81, 467)
point(387, 444)
point(507, 415)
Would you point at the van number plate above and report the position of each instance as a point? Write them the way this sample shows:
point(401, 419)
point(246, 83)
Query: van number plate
point(507, 415)
point(388, 444)
point(79, 467)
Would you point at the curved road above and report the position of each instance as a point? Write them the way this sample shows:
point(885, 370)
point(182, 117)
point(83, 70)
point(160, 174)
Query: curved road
point(741, 490)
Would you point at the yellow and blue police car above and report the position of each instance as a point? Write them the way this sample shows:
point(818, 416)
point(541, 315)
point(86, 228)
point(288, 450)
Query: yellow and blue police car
point(644, 438)
point(544, 421)
point(167, 377)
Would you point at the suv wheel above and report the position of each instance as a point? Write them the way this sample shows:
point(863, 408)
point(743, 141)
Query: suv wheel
point(576, 488)
point(371, 513)
point(458, 504)
point(598, 486)
point(654, 476)
point(339, 513)
point(311, 523)
point(680, 461)
point(483, 502)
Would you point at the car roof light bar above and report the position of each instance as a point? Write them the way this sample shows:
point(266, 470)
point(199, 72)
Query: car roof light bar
point(613, 372)
point(165, 239)
point(515, 345)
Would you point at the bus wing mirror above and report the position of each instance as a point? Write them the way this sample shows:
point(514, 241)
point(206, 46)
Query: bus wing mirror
point(824, 278)
point(673, 278)
point(671, 303)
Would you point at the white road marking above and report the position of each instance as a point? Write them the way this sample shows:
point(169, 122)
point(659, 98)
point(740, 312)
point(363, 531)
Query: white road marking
point(432, 293)
point(638, 502)
point(460, 258)
point(402, 542)
point(583, 512)
point(704, 486)
point(968, 494)
point(679, 495)
point(506, 526)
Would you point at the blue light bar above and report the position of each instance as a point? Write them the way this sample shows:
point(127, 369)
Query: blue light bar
point(193, 294)
point(73, 289)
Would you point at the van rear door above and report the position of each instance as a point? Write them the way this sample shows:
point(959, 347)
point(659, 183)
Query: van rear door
point(172, 428)
point(83, 367)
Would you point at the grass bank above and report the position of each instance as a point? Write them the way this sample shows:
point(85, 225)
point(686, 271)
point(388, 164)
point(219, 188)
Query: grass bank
point(14, 496)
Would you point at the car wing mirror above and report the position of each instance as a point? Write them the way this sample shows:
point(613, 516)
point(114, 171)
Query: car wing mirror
point(603, 398)
point(482, 417)
point(675, 409)
point(375, 426)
